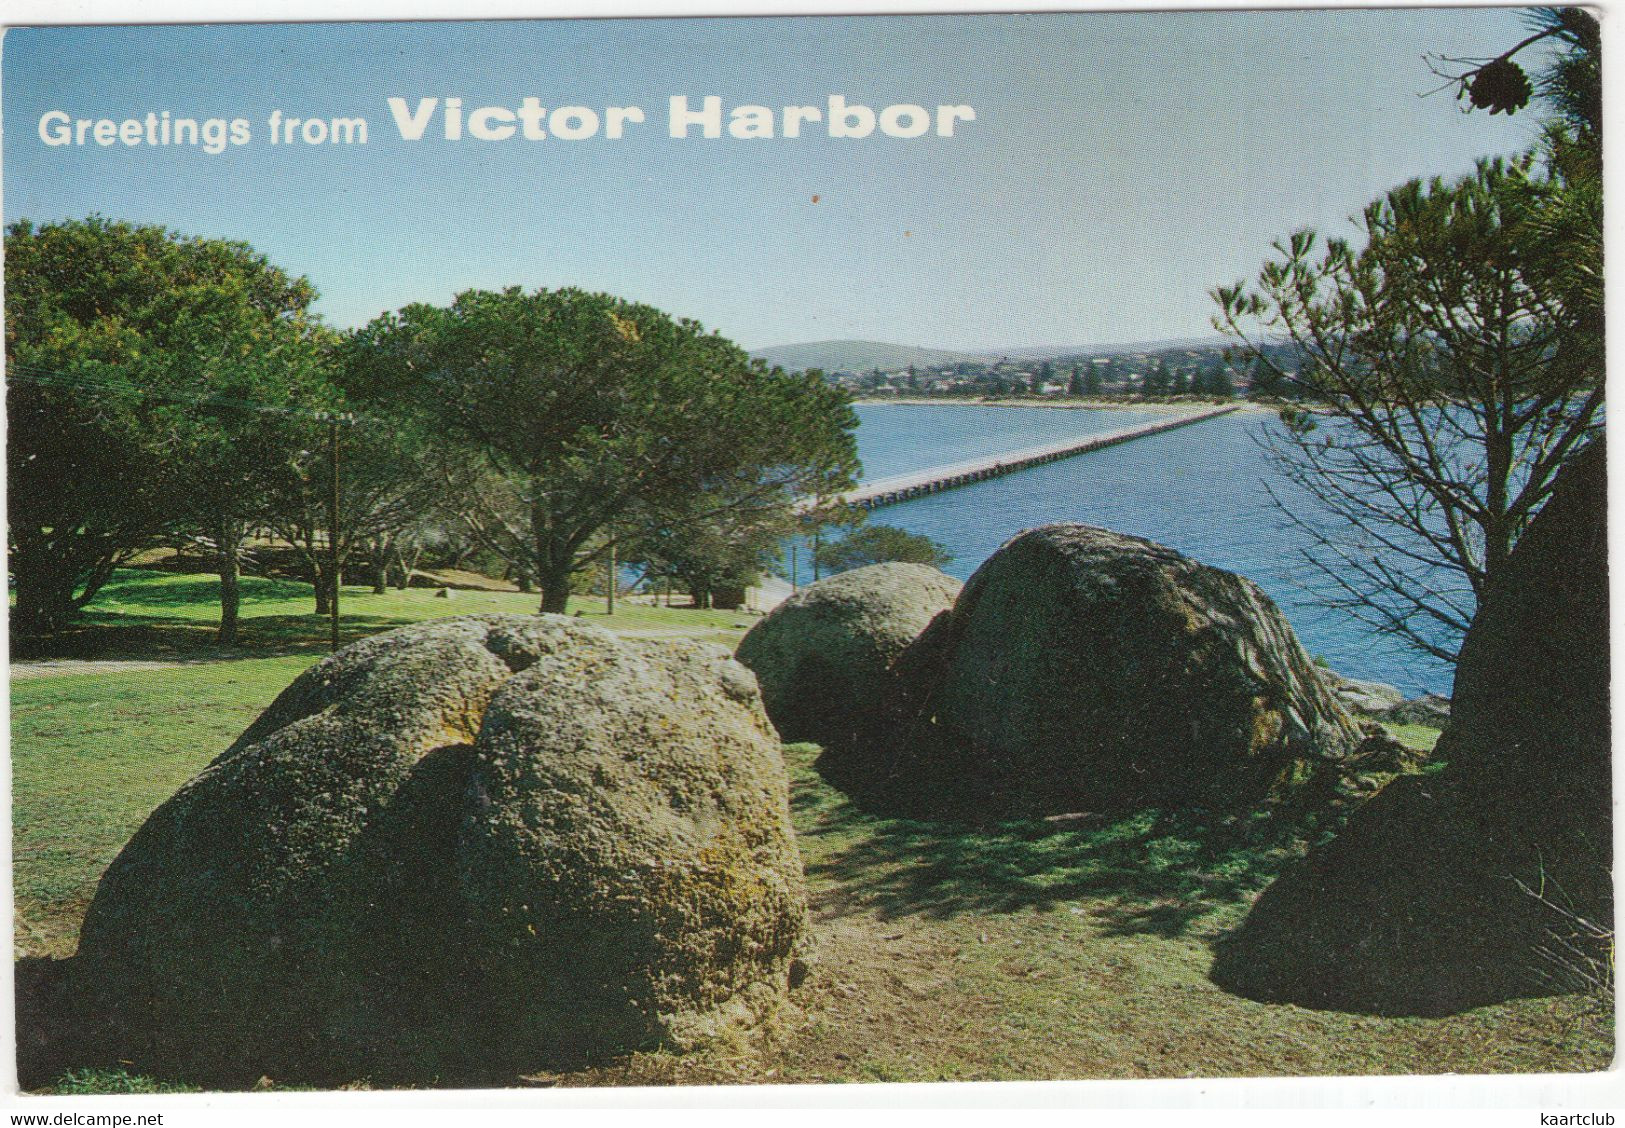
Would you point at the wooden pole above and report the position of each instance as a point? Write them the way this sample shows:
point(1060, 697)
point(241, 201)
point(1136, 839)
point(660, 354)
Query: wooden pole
point(612, 575)
point(333, 533)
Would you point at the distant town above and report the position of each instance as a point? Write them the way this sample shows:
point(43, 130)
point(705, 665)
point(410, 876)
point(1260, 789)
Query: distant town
point(1194, 371)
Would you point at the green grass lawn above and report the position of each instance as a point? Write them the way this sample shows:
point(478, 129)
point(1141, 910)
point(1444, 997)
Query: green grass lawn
point(1026, 950)
point(143, 613)
point(92, 755)
point(1420, 737)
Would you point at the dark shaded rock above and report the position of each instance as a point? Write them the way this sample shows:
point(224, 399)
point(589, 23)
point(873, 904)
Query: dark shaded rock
point(1457, 889)
point(431, 813)
point(1082, 669)
point(1380, 753)
point(824, 656)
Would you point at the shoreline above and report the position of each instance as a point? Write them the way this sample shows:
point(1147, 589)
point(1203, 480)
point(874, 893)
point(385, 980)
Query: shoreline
point(1243, 407)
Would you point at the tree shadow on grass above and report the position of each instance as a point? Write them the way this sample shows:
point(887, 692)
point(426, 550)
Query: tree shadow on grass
point(146, 614)
point(119, 636)
point(70, 1038)
point(196, 590)
point(1149, 872)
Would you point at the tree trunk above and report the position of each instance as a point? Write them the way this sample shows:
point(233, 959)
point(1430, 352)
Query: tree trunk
point(229, 545)
point(1499, 533)
point(554, 560)
point(380, 568)
point(45, 603)
point(405, 565)
point(553, 580)
point(555, 594)
point(324, 593)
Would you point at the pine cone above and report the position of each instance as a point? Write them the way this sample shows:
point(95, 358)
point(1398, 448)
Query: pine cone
point(1501, 86)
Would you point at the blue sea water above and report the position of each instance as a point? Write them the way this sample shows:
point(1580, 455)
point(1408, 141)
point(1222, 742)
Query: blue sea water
point(1199, 489)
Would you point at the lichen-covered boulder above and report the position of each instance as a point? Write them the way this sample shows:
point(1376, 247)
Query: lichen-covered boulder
point(519, 830)
point(630, 863)
point(1492, 878)
point(1085, 670)
point(824, 656)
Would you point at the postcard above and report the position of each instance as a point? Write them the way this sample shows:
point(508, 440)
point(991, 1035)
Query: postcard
point(807, 550)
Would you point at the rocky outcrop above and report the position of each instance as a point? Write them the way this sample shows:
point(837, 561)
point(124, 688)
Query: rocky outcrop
point(1385, 702)
point(1475, 884)
point(824, 656)
point(523, 831)
point(1082, 669)
point(1431, 709)
point(1368, 698)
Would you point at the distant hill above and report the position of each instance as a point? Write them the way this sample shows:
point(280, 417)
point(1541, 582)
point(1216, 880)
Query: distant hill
point(1051, 352)
point(861, 356)
point(858, 356)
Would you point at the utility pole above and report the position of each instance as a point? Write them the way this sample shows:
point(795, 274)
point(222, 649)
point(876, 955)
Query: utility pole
point(333, 421)
point(611, 576)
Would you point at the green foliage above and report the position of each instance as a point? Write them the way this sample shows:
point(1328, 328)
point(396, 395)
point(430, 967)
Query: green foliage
point(1157, 379)
point(397, 481)
point(1455, 367)
point(1571, 84)
point(879, 544)
point(1265, 382)
point(89, 1082)
point(1420, 738)
point(720, 546)
point(590, 409)
point(113, 332)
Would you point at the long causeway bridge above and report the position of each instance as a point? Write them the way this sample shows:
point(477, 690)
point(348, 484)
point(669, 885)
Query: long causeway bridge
point(901, 487)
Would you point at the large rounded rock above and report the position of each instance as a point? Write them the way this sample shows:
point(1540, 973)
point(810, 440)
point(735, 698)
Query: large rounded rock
point(1085, 670)
point(824, 656)
point(522, 831)
point(1491, 879)
point(632, 864)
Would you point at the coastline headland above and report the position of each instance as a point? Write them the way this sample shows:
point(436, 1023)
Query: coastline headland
point(901, 487)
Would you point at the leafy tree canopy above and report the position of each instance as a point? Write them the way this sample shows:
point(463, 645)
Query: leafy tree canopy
point(596, 410)
point(1452, 370)
point(133, 352)
point(880, 544)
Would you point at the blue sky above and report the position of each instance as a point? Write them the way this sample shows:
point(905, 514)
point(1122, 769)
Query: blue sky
point(1120, 165)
